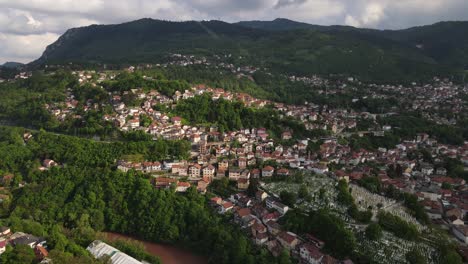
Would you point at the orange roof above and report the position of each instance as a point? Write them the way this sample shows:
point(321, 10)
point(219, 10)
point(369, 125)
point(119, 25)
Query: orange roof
point(183, 184)
point(243, 212)
point(42, 251)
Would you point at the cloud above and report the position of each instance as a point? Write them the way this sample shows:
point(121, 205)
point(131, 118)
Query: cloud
point(31, 23)
point(23, 48)
point(282, 3)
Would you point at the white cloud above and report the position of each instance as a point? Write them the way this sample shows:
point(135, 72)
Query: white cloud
point(23, 48)
point(33, 22)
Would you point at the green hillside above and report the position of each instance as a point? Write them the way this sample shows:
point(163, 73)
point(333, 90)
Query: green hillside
point(300, 51)
point(445, 42)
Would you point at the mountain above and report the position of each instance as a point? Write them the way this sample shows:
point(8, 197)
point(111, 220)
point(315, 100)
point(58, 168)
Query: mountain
point(140, 41)
point(445, 42)
point(281, 45)
point(11, 64)
point(278, 24)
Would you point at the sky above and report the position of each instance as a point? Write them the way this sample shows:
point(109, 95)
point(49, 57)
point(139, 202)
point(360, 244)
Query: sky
point(28, 26)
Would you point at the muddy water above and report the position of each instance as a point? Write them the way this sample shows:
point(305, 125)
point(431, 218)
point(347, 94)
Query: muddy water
point(168, 254)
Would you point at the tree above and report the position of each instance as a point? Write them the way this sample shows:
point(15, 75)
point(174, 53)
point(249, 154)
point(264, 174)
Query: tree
point(446, 186)
point(288, 198)
point(303, 192)
point(20, 254)
point(452, 257)
point(344, 196)
point(415, 257)
point(253, 187)
point(373, 231)
point(284, 258)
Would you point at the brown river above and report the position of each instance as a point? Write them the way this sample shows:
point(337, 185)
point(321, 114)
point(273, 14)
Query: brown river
point(168, 254)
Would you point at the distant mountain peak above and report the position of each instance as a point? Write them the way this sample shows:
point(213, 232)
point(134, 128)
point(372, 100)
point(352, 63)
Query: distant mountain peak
point(12, 64)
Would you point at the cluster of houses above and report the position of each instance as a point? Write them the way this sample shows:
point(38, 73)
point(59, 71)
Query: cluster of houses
point(258, 216)
point(38, 244)
point(445, 198)
point(215, 157)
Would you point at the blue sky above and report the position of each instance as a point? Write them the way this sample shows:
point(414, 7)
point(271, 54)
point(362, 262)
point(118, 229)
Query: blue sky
point(28, 26)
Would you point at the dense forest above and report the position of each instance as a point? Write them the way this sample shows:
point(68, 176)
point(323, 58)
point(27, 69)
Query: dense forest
point(70, 203)
point(230, 116)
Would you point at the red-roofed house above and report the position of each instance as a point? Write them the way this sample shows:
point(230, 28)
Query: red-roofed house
point(3, 244)
point(182, 186)
point(268, 171)
point(176, 120)
point(310, 254)
point(226, 207)
point(282, 172)
point(288, 240)
point(40, 252)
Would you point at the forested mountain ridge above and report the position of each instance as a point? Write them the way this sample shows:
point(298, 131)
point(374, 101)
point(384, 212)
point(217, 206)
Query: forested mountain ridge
point(293, 47)
point(446, 42)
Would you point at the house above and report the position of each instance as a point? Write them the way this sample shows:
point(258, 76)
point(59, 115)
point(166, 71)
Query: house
point(27, 239)
point(234, 174)
point(241, 199)
point(202, 186)
point(273, 204)
point(245, 174)
point(282, 172)
point(243, 184)
point(242, 163)
point(209, 171)
point(261, 238)
point(48, 163)
point(4, 231)
point(427, 169)
point(177, 120)
point(151, 166)
point(223, 165)
point(273, 227)
point(134, 123)
point(216, 200)
point(182, 186)
point(40, 252)
point(164, 183)
point(317, 242)
point(286, 135)
point(258, 228)
point(7, 178)
point(288, 240)
point(457, 212)
point(255, 173)
point(461, 232)
point(27, 136)
point(194, 171)
point(453, 220)
point(268, 171)
point(241, 213)
point(310, 254)
point(220, 174)
point(341, 175)
point(261, 195)
point(226, 207)
point(3, 243)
